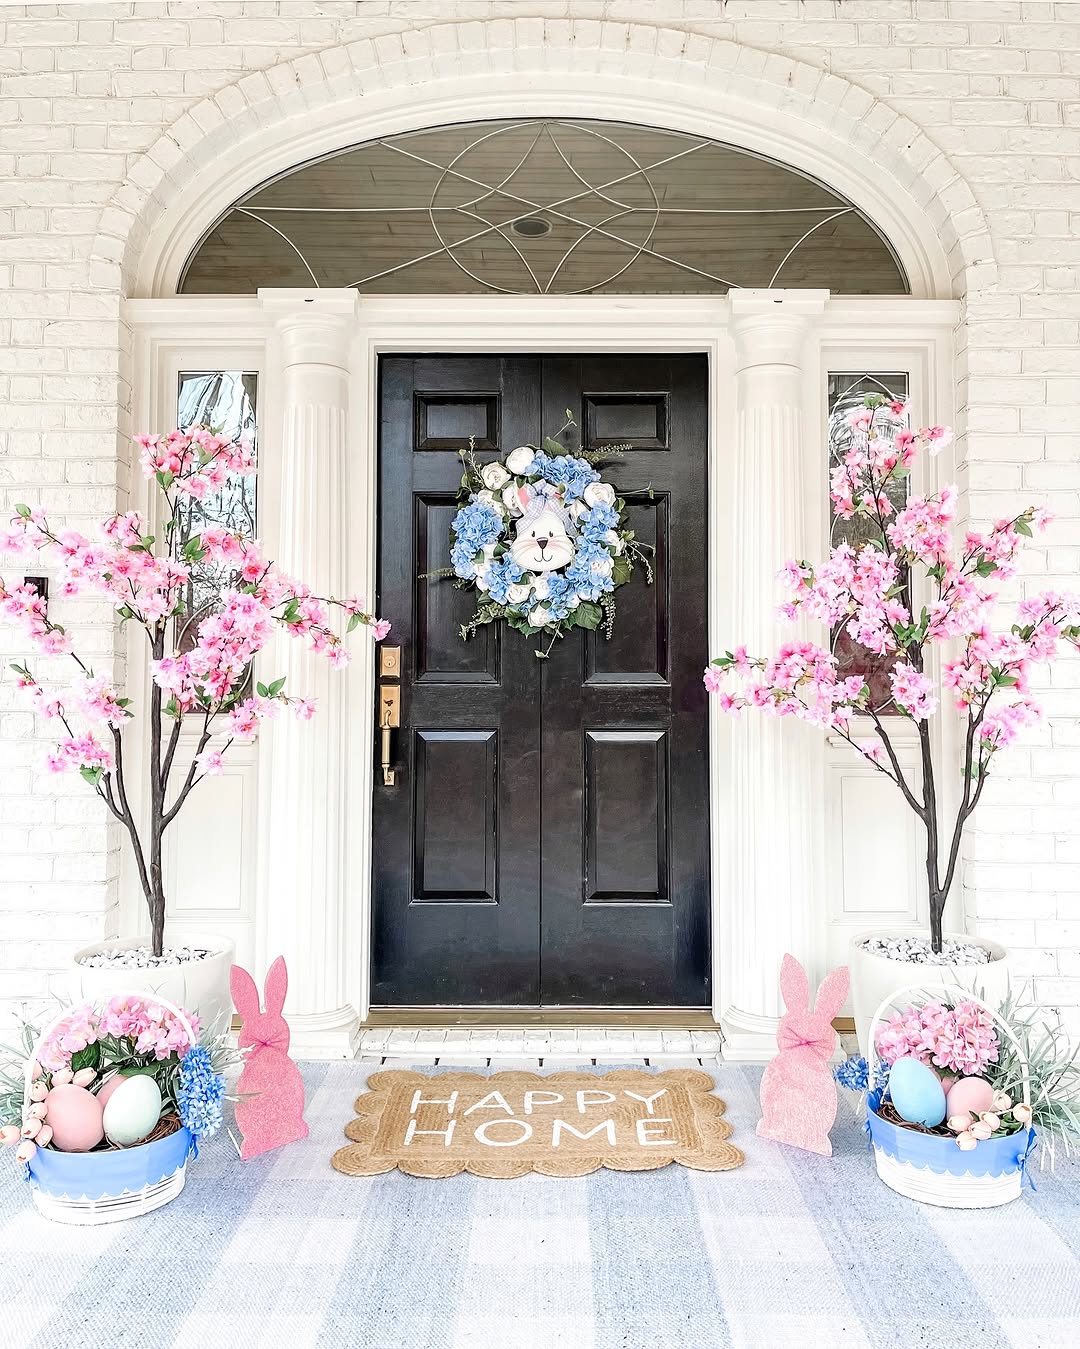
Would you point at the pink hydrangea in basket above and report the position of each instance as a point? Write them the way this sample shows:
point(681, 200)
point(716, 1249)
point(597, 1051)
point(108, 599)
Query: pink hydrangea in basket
point(957, 1093)
point(109, 1106)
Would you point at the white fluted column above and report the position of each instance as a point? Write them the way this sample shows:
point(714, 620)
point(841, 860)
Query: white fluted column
point(302, 896)
point(776, 765)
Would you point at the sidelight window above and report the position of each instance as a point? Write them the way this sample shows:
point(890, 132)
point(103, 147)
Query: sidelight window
point(225, 402)
point(847, 389)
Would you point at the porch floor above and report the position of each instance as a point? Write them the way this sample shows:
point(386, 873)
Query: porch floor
point(790, 1249)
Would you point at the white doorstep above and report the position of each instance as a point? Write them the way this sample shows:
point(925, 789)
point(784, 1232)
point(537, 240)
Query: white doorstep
point(536, 1044)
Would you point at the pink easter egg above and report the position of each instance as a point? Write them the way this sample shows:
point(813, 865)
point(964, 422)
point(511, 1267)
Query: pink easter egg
point(972, 1095)
point(107, 1090)
point(74, 1116)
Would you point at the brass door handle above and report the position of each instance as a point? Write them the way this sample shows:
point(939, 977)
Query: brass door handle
point(389, 720)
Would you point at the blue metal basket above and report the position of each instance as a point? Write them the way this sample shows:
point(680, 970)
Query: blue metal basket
point(933, 1169)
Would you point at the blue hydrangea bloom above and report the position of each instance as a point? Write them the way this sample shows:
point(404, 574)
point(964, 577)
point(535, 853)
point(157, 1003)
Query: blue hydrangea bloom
point(566, 471)
point(474, 526)
point(501, 575)
point(589, 574)
point(200, 1093)
point(854, 1073)
point(599, 520)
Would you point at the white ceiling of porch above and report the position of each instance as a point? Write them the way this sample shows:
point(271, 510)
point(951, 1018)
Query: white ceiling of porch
point(623, 209)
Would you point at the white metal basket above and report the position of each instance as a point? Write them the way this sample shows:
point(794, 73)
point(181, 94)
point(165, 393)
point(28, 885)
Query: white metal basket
point(88, 1189)
point(932, 1169)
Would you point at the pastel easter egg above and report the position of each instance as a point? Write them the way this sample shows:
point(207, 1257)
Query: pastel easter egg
point(74, 1115)
point(916, 1092)
point(971, 1094)
point(107, 1088)
point(132, 1110)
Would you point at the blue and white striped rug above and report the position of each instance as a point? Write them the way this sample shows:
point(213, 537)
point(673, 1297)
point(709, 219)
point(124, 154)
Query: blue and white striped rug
point(788, 1250)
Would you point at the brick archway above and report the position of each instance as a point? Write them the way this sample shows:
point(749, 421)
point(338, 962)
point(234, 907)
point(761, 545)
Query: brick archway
point(268, 121)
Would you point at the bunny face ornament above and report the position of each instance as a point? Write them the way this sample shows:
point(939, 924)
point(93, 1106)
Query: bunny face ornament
point(541, 540)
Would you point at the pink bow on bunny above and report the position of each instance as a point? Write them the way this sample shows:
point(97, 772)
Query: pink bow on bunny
point(798, 1092)
point(273, 1114)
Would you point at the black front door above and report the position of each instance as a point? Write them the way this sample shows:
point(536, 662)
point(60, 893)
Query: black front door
point(546, 841)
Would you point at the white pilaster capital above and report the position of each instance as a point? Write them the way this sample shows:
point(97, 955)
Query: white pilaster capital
point(315, 325)
point(769, 326)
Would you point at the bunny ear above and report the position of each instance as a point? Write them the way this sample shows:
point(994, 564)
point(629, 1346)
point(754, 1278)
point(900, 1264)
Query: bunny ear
point(794, 985)
point(832, 992)
point(244, 993)
point(276, 986)
point(524, 496)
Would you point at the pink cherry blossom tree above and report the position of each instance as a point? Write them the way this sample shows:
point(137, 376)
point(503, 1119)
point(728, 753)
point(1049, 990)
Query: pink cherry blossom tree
point(199, 666)
point(911, 588)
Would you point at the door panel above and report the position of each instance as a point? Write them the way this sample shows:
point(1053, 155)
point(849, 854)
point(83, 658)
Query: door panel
point(637, 650)
point(440, 655)
point(626, 832)
point(546, 841)
point(646, 941)
point(456, 817)
point(461, 926)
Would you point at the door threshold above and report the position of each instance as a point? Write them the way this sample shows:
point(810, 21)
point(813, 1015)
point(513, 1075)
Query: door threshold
point(637, 1018)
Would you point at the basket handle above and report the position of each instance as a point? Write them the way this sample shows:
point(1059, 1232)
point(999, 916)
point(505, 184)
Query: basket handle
point(65, 1012)
point(967, 996)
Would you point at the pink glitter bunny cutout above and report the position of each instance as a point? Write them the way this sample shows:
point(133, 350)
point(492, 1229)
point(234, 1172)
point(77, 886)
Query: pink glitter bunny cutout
point(274, 1113)
point(798, 1093)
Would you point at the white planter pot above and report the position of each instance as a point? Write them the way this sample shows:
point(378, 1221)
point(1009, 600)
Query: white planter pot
point(874, 978)
point(199, 986)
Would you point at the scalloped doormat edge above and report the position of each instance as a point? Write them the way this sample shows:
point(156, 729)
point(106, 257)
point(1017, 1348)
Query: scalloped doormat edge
point(559, 1124)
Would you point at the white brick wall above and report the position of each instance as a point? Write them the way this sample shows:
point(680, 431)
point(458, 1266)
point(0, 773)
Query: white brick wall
point(106, 110)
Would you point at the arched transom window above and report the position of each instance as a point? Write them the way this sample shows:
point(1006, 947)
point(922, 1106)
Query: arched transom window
point(543, 206)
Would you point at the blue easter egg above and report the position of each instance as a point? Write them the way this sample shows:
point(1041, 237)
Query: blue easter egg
point(917, 1092)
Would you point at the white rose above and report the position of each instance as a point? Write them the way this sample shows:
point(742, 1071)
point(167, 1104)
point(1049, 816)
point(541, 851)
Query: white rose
point(578, 509)
point(510, 500)
point(517, 594)
point(491, 500)
point(520, 460)
point(481, 578)
point(489, 551)
point(540, 587)
point(604, 567)
point(494, 476)
point(600, 491)
point(614, 542)
point(539, 616)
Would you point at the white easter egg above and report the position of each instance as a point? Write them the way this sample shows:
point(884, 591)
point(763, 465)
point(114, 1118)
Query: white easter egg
point(132, 1110)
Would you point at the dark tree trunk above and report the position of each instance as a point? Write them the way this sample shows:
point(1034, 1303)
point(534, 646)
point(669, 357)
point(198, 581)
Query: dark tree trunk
point(155, 898)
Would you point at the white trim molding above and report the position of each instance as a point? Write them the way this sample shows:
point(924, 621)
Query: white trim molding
point(761, 348)
point(775, 904)
point(302, 768)
point(816, 121)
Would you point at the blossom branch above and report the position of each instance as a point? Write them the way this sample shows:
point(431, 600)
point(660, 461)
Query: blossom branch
point(867, 595)
point(152, 584)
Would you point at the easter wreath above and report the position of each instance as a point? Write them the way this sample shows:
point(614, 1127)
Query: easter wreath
point(543, 540)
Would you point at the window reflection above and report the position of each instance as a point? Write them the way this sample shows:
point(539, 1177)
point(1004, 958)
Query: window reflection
point(223, 401)
point(847, 389)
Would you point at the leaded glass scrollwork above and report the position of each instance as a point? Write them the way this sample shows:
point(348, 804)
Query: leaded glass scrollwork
point(547, 206)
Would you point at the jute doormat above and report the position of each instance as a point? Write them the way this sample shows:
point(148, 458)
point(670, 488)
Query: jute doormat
point(564, 1124)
